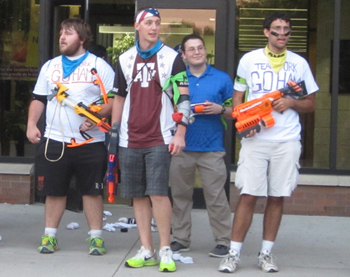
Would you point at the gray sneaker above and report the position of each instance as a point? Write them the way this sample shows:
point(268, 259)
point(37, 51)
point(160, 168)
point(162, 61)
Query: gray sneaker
point(220, 251)
point(177, 247)
point(230, 262)
point(267, 262)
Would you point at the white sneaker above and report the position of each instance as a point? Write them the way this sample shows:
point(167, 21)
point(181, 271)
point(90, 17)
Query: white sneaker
point(230, 262)
point(144, 257)
point(167, 263)
point(267, 262)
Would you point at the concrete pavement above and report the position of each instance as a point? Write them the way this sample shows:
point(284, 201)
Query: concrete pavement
point(306, 246)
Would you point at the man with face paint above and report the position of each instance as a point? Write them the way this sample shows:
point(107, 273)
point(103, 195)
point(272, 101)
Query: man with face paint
point(150, 78)
point(269, 160)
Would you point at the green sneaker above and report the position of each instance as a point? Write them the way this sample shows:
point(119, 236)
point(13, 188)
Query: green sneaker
point(167, 263)
point(48, 244)
point(97, 246)
point(144, 257)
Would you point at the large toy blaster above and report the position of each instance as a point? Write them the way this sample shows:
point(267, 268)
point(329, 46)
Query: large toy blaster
point(89, 112)
point(113, 164)
point(255, 113)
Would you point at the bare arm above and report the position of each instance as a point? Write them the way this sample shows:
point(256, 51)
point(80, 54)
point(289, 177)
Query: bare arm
point(107, 108)
point(237, 98)
point(214, 108)
point(36, 109)
point(105, 112)
point(304, 105)
point(117, 109)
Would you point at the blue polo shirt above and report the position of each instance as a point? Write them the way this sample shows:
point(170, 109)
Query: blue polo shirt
point(206, 133)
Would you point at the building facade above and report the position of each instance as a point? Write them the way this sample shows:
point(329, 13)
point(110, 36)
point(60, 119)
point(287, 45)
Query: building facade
point(29, 36)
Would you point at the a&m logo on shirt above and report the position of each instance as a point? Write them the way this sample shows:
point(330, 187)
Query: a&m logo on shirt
point(145, 73)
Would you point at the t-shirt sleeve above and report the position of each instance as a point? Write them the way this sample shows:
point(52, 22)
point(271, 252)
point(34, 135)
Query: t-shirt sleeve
point(106, 74)
point(41, 86)
point(179, 68)
point(120, 86)
point(310, 83)
point(240, 80)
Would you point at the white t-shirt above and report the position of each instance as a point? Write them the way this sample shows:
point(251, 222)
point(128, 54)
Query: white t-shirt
point(62, 123)
point(257, 78)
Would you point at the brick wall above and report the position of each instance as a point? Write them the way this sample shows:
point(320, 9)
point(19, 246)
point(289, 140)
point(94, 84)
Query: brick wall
point(16, 184)
point(308, 200)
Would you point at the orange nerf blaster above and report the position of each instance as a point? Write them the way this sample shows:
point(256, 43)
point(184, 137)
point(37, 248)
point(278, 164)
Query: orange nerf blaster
point(89, 112)
point(255, 113)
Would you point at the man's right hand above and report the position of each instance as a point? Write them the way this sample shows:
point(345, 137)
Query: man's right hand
point(33, 135)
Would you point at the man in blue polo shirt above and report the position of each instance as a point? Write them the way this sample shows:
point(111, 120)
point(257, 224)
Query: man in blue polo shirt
point(211, 93)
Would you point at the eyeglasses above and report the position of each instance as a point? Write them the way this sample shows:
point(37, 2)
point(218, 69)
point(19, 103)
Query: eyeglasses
point(192, 50)
point(278, 30)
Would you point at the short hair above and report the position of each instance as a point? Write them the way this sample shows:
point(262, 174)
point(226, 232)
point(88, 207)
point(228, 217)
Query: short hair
point(274, 16)
point(81, 27)
point(191, 36)
point(98, 50)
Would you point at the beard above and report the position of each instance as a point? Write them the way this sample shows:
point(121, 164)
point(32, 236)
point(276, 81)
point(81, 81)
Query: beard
point(69, 49)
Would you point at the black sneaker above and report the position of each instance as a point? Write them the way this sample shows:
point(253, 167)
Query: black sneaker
point(178, 247)
point(220, 251)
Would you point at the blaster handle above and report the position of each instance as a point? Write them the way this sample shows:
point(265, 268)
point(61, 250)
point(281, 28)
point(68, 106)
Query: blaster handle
point(244, 133)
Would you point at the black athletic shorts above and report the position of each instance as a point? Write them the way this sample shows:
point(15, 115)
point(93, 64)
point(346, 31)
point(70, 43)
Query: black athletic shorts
point(88, 163)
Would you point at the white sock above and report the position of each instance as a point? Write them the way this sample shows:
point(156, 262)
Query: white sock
point(95, 233)
point(237, 246)
point(267, 246)
point(51, 232)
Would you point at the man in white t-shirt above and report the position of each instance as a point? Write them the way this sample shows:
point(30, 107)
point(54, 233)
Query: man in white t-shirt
point(269, 160)
point(56, 161)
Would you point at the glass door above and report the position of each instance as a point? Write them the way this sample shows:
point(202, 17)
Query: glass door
point(214, 21)
point(211, 19)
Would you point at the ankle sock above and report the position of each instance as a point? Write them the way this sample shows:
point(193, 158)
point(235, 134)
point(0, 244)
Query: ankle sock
point(237, 246)
point(267, 246)
point(51, 232)
point(95, 233)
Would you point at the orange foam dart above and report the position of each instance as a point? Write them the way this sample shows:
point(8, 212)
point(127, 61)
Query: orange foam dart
point(98, 81)
point(199, 108)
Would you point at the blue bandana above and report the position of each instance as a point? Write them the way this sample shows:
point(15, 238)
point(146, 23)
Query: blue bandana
point(70, 65)
point(150, 52)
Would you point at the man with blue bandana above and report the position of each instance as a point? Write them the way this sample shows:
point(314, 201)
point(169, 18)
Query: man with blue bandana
point(150, 78)
point(55, 161)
